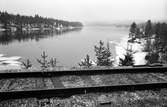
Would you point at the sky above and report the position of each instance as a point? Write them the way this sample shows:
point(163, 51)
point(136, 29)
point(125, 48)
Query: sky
point(89, 10)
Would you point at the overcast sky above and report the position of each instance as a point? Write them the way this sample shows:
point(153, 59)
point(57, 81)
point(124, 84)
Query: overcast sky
point(89, 10)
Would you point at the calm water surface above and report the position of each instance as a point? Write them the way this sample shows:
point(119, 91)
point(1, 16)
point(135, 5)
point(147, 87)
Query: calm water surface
point(69, 48)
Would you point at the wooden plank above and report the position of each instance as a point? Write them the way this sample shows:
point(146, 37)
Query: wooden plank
point(117, 70)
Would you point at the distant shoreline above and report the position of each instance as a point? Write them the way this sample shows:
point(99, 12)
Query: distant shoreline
point(13, 23)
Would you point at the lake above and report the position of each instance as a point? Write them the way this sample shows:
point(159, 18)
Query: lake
point(68, 47)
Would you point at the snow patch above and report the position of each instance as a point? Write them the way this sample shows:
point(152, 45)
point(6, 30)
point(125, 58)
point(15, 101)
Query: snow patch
point(121, 47)
point(9, 62)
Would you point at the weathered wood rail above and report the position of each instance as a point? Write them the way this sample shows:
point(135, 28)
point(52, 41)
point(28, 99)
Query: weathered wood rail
point(117, 70)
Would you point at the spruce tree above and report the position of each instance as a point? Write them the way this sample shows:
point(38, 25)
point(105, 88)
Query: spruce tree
point(87, 62)
point(128, 59)
point(133, 30)
point(103, 55)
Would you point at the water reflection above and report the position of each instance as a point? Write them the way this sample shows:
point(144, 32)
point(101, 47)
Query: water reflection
point(7, 37)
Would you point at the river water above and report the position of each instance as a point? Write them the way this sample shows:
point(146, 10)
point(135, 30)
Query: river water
point(69, 47)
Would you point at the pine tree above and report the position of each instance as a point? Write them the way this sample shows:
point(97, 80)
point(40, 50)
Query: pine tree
point(152, 58)
point(128, 59)
point(133, 29)
point(148, 34)
point(27, 64)
point(103, 55)
point(87, 62)
point(53, 62)
point(148, 29)
point(43, 61)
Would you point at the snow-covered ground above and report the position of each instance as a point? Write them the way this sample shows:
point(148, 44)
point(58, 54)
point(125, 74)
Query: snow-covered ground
point(121, 47)
point(9, 62)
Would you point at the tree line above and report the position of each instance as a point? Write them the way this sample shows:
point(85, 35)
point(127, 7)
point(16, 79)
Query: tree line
point(148, 30)
point(37, 21)
point(155, 35)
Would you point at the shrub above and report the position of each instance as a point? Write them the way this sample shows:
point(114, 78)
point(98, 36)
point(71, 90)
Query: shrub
point(27, 64)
